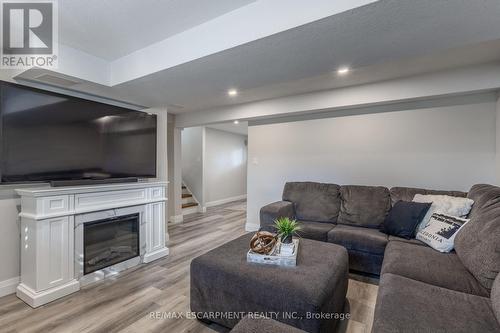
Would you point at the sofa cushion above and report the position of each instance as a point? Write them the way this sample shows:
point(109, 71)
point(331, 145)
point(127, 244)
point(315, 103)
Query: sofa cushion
point(358, 239)
point(481, 194)
point(404, 218)
point(478, 242)
point(269, 213)
point(404, 240)
point(314, 230)
point(365, 206)
point(424, 264)
point(365, 262)
point(261, 324)
point(406, 305)
point(407, 193)
point(313, 201)
point(495, 297)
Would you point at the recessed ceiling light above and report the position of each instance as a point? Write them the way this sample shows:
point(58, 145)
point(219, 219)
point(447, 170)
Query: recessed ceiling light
point(232, 92)
point(343, 70)
point(236, 122)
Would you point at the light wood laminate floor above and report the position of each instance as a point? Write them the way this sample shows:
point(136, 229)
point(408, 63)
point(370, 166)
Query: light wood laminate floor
point(124, 303)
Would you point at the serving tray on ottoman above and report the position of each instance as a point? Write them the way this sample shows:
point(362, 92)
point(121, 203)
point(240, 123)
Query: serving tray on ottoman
point(309, 296)
point(275, 257)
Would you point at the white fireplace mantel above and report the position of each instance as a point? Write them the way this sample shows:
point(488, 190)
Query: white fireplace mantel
point(48, 263)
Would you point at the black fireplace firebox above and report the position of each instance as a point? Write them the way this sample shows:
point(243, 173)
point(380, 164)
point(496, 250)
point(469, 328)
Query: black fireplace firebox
point(110, 241)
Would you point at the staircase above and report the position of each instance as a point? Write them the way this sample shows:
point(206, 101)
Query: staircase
point(189, 204)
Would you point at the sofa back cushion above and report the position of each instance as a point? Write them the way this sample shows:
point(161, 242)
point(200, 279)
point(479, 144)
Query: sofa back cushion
point(314, 201)
point(365, 206)
point(481, 194)
point(407, 193)
point(495, 298)
point(478, 242)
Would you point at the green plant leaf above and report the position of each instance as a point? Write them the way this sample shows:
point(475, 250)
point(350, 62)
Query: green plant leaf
point(286, 227)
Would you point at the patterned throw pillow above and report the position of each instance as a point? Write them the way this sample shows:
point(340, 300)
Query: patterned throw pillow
point(439, 233)
point(444, 204)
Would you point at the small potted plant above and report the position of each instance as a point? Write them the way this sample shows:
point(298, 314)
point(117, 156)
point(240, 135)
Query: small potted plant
point(286, 228)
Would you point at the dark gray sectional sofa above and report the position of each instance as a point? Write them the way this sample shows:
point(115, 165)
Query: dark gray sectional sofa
point(263, 325)
point(421, 290)
point(346, 215)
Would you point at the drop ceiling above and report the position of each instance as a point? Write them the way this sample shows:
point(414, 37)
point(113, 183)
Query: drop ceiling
point(110, 29)
point(240, 128)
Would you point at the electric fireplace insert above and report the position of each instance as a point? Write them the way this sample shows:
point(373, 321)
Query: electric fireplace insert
point(110, 241)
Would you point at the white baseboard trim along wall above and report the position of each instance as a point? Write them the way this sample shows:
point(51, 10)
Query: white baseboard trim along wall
point(9, 286)
point(224, 201)
point(176, 219)
point(252, 227)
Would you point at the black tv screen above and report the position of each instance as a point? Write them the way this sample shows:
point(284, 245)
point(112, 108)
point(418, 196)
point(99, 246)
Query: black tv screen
point(47, 136)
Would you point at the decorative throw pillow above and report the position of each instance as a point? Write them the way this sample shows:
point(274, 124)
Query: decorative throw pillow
point(439, 233)
point(404, 218)
point(444, 204)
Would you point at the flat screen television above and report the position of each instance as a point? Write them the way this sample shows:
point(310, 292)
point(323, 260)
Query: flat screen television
point(47, 136)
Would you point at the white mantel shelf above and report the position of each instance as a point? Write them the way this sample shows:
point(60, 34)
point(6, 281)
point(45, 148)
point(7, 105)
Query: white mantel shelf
point(52, 221)
point(45, 212)
point(46, 191)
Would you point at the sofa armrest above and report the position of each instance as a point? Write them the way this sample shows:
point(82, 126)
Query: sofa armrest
point(271, 212)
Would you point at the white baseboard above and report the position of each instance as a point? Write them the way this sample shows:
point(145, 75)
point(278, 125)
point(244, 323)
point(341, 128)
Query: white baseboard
point(176, 219)
point(224, 201)
point(9, 286)
point(149, 257)
point(36, 299)
point(252, 227)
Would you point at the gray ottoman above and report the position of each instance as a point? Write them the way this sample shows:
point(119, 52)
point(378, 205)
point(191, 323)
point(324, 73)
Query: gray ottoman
point(261, 325)
point(309, 296)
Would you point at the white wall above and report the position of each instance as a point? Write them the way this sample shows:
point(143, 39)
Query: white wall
point(9, 239)
point(192, 161)
point(161, 142)
point(225, 165)
point(174, 171)
point(445, 147)
point(214, 165)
